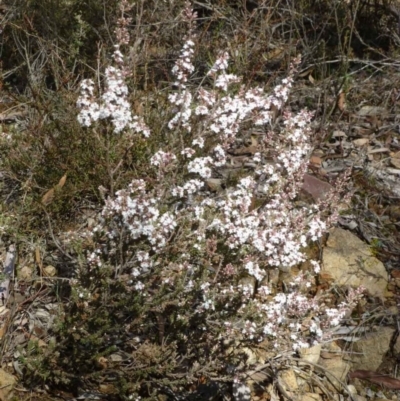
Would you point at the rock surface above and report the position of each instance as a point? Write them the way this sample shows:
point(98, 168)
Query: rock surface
point(369, 351)
point(335, 365)
point(349, 261)
point(7, 382)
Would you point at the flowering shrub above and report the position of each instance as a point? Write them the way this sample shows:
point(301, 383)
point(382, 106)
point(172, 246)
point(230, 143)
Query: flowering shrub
point(201, 260)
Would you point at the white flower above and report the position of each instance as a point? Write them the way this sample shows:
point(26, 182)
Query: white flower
point(254, 270)
point(162, 159)
point(200, 166)
point(220, 64)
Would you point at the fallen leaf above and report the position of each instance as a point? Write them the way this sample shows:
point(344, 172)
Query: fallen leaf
point(62, 181)
point(377, 378)
point(38, 259)
point(101, 362)
point(395, 273)
point(341, 103)
point(35, 339)
point(48, 197)
point(378, 150)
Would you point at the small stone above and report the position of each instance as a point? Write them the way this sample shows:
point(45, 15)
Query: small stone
point(350, 263)
point(288, 380)
point(316, 161)
point(395, 162)
point(338, 134)
point(310, 354)
point(372, 111)
point(115, 358)
point(337, 367)
point(360, 142)
point(107, 389)
point(25, 273)
point(214, 184)
point(50, 271)
point(370, 350)
point(351, 389)
point(315, 187)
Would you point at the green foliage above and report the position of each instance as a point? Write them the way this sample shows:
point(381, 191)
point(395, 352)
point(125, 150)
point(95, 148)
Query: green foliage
point(107, 317)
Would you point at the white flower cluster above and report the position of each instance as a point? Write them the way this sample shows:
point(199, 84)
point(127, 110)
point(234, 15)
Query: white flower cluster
point(189, 188)
point(182, 69)
point(162, 159)
point(89, 108)
point(113, 104)
point(201, 166)
point(139, 213)
point(278, 231)
point(254, 270)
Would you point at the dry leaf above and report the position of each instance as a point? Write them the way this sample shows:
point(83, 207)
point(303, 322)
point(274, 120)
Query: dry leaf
point(62, 181)
point(306, 72)
point(379, 150)
point(395, 273)
point(38, 260)
point(37, 340)
point(377, 378)
point(48, 197)
point(272, 393)
point(341, 103)
point(101, 362)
